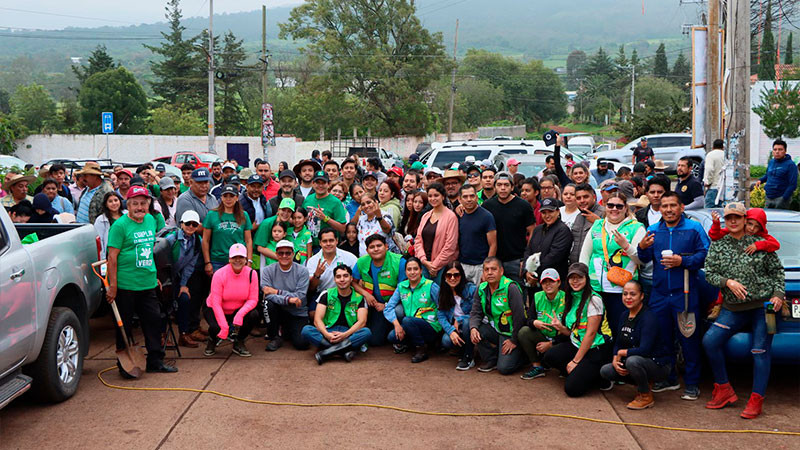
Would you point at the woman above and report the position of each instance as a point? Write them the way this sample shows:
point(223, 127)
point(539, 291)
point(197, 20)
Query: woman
point(369, 220)
point(537, 336)
point(748, 282)
point(231, 305)
point(168, 201)
point(338, 190)
point(356, 191)
point(412, 216)
point(59, 203)
point(112, 210)
point(389, 196)
point(548, 187)
point(283, 165)
point(530, 193)
point(187, 273)
point(417, 299)
point(436, 243)
point(455, 303)
point(580, 358)
point(570, 211)
point(641, 355)
point(43, 211)
point(224, 226)
point(610, 252)
point(552, 241)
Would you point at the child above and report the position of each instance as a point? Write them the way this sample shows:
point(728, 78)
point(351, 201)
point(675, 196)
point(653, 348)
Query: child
point(350, 241)
point(278, 232)
point(301, 236)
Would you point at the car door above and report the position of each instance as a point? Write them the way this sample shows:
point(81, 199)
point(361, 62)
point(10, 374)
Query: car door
point(17, 304)
point(670, 149)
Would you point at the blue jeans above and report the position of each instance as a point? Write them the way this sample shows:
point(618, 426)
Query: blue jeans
point(666, 309)
point(726, 325)
point(437, 279)
point(711, 199)
point(311, 334)
point(418, 332)
point(467, 349)
point(491, 350)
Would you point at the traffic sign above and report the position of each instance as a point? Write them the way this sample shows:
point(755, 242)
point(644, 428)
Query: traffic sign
point(107, 119)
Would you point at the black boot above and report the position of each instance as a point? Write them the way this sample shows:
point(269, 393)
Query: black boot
point(340, 348)
point(421, 354)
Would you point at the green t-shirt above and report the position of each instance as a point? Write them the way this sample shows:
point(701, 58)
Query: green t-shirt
point(136, 267)
point(160, 223)
point(264, 232)
point(301, 239)
point(183, 188)
point(224, 233)
point(332, 207)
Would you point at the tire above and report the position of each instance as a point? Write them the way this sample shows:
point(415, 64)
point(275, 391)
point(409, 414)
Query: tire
point(57, 371)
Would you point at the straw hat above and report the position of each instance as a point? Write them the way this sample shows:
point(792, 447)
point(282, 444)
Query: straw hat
point(660, 165)
point(641, 202)
point(91, 168)
point(451, 173)
point(15, 178)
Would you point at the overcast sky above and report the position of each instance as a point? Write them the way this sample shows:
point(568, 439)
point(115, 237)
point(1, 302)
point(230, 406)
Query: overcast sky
point(52, 14)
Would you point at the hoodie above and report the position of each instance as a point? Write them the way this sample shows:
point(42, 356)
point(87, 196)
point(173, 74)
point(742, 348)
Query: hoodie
point(769, 243)
point(781, 178)
point(41, 202)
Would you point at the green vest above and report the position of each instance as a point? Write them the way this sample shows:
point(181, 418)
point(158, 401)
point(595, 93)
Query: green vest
point(419, 303)
point(387, 275)
point(499, 311)
point(544, 306)
point(578, 330)
point(335, 307)
point(598, 267)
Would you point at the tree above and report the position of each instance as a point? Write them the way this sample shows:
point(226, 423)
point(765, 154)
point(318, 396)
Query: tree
point(231, 120)
point(117, 91)
point(576, 61)
point(660, 64)
point(766, 67)
point(681, 72)
point(379, 53)
point(5, 106)
point(658, 93)
point(180, 70)
point(477, 102)
point(621, 60)
point(778, 110)
point(177, 121)
point(635, 58)
point(11, 129)
point(669, 119)
point(788, 55)
point(99, 61)
point(600, 64)
point(33, 105)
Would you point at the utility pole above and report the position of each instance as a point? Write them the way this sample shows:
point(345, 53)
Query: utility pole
point(713, 75)
point(452, 87)
point(633, 87)
point(211, 77)
point(738, 123)
point(263, 73)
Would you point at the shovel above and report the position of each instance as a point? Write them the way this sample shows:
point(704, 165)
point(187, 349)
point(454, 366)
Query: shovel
point(686, 319)
point(131, 359)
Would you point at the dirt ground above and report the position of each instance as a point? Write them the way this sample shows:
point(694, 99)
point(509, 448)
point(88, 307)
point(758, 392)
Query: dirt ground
point(101, 417)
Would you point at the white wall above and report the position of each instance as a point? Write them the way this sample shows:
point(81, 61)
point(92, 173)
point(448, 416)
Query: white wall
point(760, 144)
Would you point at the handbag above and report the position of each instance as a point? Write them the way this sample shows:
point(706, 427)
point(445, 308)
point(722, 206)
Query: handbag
point(616, 275)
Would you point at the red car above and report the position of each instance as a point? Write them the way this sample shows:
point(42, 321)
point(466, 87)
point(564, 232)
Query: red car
point(197, 159)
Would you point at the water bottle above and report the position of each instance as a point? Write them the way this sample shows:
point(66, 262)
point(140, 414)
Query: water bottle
point(770, 318)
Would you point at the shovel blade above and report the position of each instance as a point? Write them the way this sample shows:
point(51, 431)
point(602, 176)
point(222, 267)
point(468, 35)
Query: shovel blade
point(686, 323)
point(132, 361)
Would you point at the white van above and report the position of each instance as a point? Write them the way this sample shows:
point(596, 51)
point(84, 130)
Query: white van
point(444, 155)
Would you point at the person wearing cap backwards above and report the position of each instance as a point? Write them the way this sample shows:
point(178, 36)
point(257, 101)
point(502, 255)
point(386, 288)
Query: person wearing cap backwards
point(285, 286)
point(552, 240)
point(324, 210)
point(305, 170)
point(197, 197)
point(537, 336)
point(289, 189)
point(90, 203)
point(187, 275)
point(231, 305)
point(749, 283)
point(132, 278)
point(167, 200)
point(224, 226)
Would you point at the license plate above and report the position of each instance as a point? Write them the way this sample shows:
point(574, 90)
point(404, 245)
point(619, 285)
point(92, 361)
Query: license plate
point(796, 308)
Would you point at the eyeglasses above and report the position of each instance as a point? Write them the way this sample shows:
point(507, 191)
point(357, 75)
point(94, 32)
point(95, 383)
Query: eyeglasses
point(284, 253)
point(452, 275)
point(618, 206)
point(547, 188)
point(191, 224)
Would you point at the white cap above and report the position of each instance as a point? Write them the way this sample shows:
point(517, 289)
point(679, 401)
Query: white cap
point(284, 244)
point(190, 216)
point(228, 165)
point(469, 159)
point(435, 170)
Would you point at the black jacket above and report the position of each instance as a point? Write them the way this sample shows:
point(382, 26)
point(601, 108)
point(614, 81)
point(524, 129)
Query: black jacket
point(554, 243)
point(250, 209)
point(274, 202)
point(641, 217)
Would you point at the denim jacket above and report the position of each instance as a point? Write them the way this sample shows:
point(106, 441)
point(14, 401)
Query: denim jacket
point(446, 317)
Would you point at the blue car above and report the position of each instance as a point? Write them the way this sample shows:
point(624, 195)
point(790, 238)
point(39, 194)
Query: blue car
point(785, 227)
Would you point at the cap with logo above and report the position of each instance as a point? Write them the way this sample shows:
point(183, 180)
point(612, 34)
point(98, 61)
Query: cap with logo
point(190, 216)
point(233, 179)
point(549, 204)
point(320, 175)
point(229, 189)
point(547, 274)
point(137, 191)
point(550, 137)
point(237, 249)
point(255, 179)
point(201, 174)
point(287, 203)
point(160, 168)
point(395, 170)
point(371, 175)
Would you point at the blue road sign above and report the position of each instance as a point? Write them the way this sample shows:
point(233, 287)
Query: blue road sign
point(108, 122)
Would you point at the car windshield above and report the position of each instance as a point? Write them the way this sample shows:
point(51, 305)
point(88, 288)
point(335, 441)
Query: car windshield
point(530, 170)
point(786, 233)
point(446, 158)
point(580, 149)
point(207, 158)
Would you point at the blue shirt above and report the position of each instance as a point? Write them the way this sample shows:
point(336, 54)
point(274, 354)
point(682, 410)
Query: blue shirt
point(62, 205)
point(83, 206)
point(472, 229)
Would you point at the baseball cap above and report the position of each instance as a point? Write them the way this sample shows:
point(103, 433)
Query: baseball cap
point(228, 165)
point(417, 165)
point(626, 187)
point(512, 162)
point(735, 208)
point(486, 163)
point(549, 204)
point(190, 216)
point(578, 269)
point(395, 170)
point(229, 189)
point(166, 183)
point(255, 179)
point(287, 203)
point(284, 243)
point(287, 173)
point(470, 159)
point(233, 179)
point(433, 170)
point(370, 174)
point(321, 175)
point(547, 274)
point(609, 186)
point(124, 172)
point(137, 181)
point(237, 249)
point(137, 191)
point(160, 168)
point(504, 176)
point(201, 174)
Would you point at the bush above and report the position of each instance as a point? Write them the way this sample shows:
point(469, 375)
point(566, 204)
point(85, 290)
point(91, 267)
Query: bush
point(757, 171)
point(758, 198)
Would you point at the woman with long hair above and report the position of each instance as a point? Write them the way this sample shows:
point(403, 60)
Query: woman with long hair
point(224, 226)
point(436, 243)
point(168, 201)
point(111, 211)
point(455, 303)
point(352, 208)
point(412, 216)
point(570, 211)
point(389, 194)
point(371, 219)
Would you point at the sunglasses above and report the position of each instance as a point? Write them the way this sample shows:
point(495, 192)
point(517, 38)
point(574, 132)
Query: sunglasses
point(191, 224)
point(452, 275)
point(283, 253)
point(474, 175)
point(618, 206)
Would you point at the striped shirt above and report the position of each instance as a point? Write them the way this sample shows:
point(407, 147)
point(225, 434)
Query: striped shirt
point(83, 206)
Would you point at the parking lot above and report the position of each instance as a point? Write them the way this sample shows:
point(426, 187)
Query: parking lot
point(101, 417)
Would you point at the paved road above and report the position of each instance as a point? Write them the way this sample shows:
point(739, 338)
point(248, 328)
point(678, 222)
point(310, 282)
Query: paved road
point(99, 417)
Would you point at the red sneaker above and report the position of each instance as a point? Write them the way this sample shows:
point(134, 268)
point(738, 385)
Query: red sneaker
point(722, 396)
point(754, 405)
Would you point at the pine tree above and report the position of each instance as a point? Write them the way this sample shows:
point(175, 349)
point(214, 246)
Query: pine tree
point(99, 61)
point(600, 64)
point(788, 58)
point(634, 58)
point(661, 65)
point(232, 119)
point(766, 70)
point(681, 72)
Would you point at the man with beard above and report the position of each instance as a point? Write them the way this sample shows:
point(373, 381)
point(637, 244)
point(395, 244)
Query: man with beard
point(590, 212)
point(688, 188)
point(271, 187)
point(304, 170)
point(603, 173)
point(514, 219)
point(289, 189)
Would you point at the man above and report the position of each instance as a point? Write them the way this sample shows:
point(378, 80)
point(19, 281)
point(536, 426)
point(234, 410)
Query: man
point(688, 243)
point(513, 166)
point(714, 165)
point(234, 179)
point(376, 166)
point(124, 177)
point(75, 188)
point(331, 168)
point(602, 172)
point(642, 152)
point(624, 173)
point(285, 285)
point(349, 172)
point(474, 177)
point(487, 184)
point(395, 174)
point(432, 175)
point(552, 240)
point(515, 221)
point(161, 171)
point(271, 186)
point(305, 170)
point(90, 204)
point(59, 203)
point(324, 210)
point(327, 155)
point(253, 201)
point(453, 180)
point(688, 188)
point(186, 175)
point(321, 265)
point(377, 275)
point(590, 212)
point(780, 181)
point(499, 300)
point(228, 169)
point(132, 278)
point(216, 173)
point(315, 157)
point(289, 190)
point(341, 314)
point(477, 234)
point(650, 215)
point(410, 184)
point(16, 187)
point(549, 166)
point(197, 197)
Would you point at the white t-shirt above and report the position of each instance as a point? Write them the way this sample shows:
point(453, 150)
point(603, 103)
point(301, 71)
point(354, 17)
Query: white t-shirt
point(306, 190)
point(326, 279)
point(458, 312)
point(569, 218)
point(367, 228)
point(653, 216)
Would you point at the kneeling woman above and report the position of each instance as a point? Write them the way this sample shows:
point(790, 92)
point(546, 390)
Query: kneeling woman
point(417, 298)
point(455, 304)
point(588, 348)
point(641, 355)
point(339, 319)
point(230, 307)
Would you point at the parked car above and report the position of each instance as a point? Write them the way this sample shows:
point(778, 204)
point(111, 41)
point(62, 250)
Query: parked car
point(8, 161)
point(529, 165)
point(197, 159)
point(388, 159)
point(784, 226)
point(48, 294)
point(444, 155)
point(669, 148)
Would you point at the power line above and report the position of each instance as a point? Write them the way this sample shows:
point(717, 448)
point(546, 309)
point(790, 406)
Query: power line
point(80, 38)
point(45, 13)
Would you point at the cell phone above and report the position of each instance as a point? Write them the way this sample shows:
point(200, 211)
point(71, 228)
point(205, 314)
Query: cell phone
point(584, 211)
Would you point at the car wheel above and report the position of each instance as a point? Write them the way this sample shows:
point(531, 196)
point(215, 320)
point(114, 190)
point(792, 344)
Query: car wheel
point(696, 168)
point(58, 369)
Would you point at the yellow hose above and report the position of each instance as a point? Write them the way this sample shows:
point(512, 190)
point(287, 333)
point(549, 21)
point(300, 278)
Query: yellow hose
point(434, 413)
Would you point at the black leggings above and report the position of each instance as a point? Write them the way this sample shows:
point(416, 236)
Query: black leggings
point(586, 375)
point(250, 319)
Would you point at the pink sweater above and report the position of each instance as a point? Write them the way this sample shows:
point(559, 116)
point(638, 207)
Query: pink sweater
point(445, 243)
point(232, 292)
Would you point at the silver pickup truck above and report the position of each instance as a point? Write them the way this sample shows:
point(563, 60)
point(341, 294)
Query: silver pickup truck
point(47, 294)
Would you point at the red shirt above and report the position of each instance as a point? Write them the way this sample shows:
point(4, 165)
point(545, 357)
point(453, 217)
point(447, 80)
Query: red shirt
point(271, 189)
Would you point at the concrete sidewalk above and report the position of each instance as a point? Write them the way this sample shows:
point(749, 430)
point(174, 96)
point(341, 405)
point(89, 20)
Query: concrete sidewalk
point(100, 417)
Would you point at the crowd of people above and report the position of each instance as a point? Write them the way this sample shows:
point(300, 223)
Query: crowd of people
point(583, 272)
